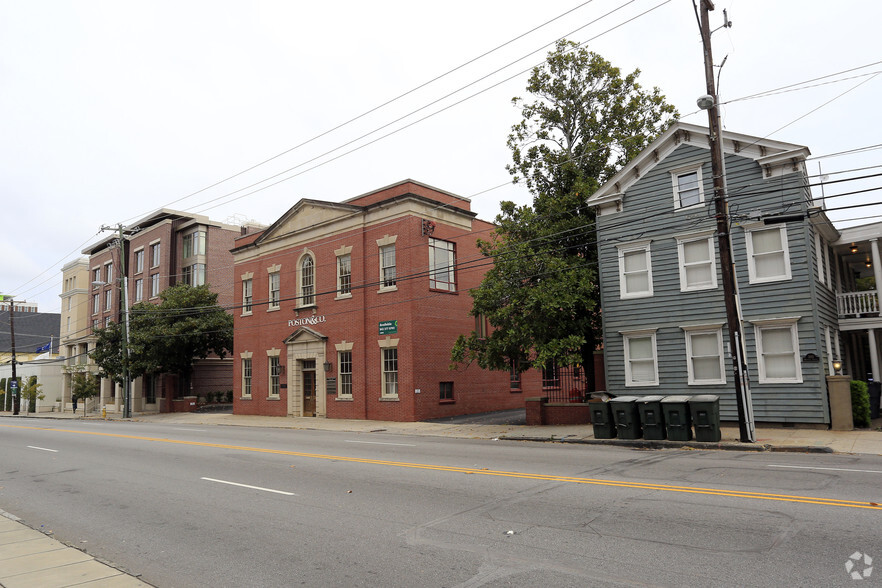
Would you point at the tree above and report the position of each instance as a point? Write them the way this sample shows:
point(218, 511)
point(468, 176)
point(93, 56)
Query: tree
point(167, 337)
point(84, 385)
point(541, 297)
point(30, 391)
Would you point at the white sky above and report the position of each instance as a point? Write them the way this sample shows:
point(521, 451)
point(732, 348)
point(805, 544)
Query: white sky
point(113, 109)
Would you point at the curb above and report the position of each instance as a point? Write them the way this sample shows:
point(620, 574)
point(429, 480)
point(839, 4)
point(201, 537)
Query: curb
point(689, 445)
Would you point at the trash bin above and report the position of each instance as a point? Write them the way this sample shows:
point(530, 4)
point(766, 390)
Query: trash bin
point(651, 418)
point(602, 419)
point(705, 409)
point(678, 423)
point(626, 417)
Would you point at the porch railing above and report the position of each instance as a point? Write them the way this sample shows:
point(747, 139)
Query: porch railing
point(856, 304)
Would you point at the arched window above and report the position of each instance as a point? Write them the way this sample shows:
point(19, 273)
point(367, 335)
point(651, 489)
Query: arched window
point(307, 281)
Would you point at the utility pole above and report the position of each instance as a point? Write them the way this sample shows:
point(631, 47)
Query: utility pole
point(16, 393)
point(124, 285)
point(730, 286)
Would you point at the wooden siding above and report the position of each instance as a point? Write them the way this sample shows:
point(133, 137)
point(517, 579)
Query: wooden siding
point(648, 214)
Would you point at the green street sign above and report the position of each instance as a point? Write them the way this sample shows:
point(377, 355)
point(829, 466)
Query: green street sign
point(388, 327)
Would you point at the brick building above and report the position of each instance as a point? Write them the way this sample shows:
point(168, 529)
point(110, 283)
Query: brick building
point(163, 249)
point(350, 310)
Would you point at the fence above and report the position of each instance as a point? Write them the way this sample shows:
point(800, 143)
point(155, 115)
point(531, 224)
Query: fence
point(564, 384)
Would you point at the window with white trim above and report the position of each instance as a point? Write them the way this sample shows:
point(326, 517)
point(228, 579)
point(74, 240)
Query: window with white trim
point(139, 261)
point(641, 360)
point(768, 257)
point(442, 261)
point(387, 266)
point(275, 282)
point(246, 377)
point(307, 281)
point(108, 272)
point(154, 255)
point(688, 189)
point(96, 303)
point(275, 372)
point(246, 296)
point(344, 274)
point(390, 372)
point(635, 270)
point(777, 350)
point(154, 285)
point(139, 290)
point(704, 355)
point(698, 267)
point(108, 300)
point(344, 373)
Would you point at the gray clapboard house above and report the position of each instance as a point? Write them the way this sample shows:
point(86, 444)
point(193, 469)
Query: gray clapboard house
point(664, 320)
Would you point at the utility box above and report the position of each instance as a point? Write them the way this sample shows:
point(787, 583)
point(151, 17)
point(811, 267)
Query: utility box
point(651, 418)
point(678, 421)
point(626, 417)
point(705, 411)
point(602, 420)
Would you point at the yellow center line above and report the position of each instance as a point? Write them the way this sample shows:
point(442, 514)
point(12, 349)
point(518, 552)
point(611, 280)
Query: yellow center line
point(487, 472)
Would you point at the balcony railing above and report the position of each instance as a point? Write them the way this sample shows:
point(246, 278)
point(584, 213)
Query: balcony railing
point(857, 304)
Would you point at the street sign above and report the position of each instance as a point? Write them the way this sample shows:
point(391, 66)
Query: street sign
point(13, 385)
point(388, 327)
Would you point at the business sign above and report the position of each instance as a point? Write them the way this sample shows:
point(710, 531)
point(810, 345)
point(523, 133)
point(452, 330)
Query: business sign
point(306, 321)
point(13, 385)
point(388, 327)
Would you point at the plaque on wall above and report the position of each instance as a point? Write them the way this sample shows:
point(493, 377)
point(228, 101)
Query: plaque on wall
point(331, 385)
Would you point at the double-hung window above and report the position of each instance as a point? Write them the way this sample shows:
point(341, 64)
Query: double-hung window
point(442, 262)
point(96, 303)
point(246, 296)
point(154, 285)
point(704, 355)
point(635, 270)
point(387, 266)
point(768, 257)
point(139, 290)
point(698, 268)
point(139, 261)
point(274, 376)
point(688, 190)
point(154, 255)
point(390, 372)
point(344, 274)
point(777, 350)
point(344, 363)
point(246, 377)
point(641, 360)
point(274, 290)
point(108, 300)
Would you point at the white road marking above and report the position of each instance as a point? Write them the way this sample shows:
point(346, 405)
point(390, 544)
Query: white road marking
point(252, 487)
point(42, 449)
point(831, 469)
point(381, 443)
point(194, 430)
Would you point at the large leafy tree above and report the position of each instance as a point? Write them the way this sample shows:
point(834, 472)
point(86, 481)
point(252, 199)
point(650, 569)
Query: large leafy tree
point(582, 123)
point(167, 337)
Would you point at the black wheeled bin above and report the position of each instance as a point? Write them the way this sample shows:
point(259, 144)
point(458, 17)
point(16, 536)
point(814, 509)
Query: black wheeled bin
point(626, 417)
point(678, 423)
point(602, 419)
point(651, 418)
point(705, 409)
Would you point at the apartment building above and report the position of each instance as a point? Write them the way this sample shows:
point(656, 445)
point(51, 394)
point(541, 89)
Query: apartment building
point(162, 249)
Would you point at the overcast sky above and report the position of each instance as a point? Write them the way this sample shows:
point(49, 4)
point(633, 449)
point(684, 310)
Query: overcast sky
point(113, 109)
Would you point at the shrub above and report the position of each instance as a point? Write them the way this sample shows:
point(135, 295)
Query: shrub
point(229, 396)
point(860, 403)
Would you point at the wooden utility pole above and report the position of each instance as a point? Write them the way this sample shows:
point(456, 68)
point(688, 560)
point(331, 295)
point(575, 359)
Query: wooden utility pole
point(730, 286)
point(16, 391)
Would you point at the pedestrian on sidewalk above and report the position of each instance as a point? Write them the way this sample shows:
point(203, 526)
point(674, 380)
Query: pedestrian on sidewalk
point(73, 399)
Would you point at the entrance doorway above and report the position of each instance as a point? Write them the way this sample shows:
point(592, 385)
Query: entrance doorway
point(308, 371)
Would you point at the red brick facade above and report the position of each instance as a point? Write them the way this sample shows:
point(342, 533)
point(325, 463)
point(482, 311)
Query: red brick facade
point(308, 335)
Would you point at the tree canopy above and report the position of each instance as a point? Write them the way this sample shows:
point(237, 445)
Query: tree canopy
point(167, 337)
point(583, 122)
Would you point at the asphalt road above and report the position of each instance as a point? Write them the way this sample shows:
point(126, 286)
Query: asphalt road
point(238, 506)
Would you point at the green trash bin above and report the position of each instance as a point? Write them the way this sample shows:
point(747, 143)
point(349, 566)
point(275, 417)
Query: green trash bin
point(626, 417)
point(705, 409)
point(602, 419)
point(678, 422)
point(651, 418)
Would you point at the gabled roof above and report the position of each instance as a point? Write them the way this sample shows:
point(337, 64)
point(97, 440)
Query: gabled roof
point(766, 152)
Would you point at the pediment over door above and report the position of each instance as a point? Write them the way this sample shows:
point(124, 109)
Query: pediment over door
point(305, 335)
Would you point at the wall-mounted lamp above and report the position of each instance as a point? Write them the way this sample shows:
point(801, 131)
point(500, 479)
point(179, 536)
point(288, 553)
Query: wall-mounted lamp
point(837, 367)
point(868, 263)
point(327, 365)
point(853, 248)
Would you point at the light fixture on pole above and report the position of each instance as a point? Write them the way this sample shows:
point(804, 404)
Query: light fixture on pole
point(837, 367)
